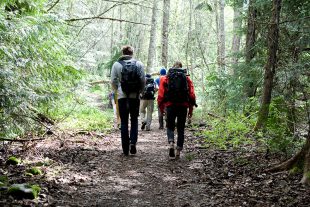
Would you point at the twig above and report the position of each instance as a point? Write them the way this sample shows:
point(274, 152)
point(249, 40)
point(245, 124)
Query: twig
point(98, 82)
point(21, 140)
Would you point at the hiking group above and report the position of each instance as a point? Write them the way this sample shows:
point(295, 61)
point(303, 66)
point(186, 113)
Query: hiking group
point(136, 93)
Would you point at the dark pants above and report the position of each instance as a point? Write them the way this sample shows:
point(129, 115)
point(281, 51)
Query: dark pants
point(160, 118)
point(179, 113)
point(126, 107)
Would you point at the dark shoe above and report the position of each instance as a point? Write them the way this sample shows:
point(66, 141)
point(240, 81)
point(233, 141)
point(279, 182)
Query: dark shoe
point(143, 125)
point(161, 127)
point(171, 150)
point(177, 154)
point(133, 149)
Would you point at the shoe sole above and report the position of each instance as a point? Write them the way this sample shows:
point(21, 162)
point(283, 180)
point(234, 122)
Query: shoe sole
point(133, 150)
point(171, 152)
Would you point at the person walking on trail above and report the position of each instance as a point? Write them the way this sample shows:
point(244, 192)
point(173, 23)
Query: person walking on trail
point(128, 79)
point(147, 102)
point(162, 73)
point(176, 93)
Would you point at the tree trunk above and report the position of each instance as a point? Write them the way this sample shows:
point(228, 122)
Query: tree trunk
point(152, 44)
point(270, 67)
point(220, 33)
point(250, 88)
point(222, 36)
point(164, 52)
point(237, 23)
point(189, 33)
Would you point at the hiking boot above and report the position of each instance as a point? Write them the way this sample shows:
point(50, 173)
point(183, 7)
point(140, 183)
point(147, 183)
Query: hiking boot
point(143, 125)
point(177, 154)
point(171, 150)
point(133, 149)
point(161, 127)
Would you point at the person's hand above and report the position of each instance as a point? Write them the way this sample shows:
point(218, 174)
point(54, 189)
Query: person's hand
point(190, 114)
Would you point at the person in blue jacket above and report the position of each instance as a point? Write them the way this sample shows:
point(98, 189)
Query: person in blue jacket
point(162, 73)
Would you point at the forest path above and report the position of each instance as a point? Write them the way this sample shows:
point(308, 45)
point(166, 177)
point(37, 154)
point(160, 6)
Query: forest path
point(87, 169)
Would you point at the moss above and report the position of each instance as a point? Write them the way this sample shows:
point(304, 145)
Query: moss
point(4, 179)
point(241, 161)
point(13, 161)
point(307, 174)
point(189, 156)
point(295, 170)
point(34, 171)
point(24, 191)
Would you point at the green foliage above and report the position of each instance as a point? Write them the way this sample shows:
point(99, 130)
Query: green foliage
point(21, 191)
point(232, 131)
point(189, 156)
point(34, 171)
point(35, 68)
point(13, 161)
point(4, 180)
point(295, 170)
point(79, 112)
point(277, 135)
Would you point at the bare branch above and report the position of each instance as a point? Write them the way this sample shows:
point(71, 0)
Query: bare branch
point(56, 2)
point(105, 18)
point(128, 2)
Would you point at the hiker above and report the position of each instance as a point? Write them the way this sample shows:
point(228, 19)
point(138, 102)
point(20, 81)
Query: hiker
point(162, 73)
point(176, 93)
point(147, 102)
point(127, 77)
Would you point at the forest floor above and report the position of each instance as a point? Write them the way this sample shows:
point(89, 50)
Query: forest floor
point(88, 169)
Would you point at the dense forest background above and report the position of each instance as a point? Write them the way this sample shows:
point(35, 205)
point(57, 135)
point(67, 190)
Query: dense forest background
point(249, 61)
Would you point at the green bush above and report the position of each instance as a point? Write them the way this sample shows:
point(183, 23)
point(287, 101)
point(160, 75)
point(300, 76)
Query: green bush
point(232, 131)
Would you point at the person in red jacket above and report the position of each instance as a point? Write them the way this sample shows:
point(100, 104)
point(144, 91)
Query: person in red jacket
point(176, 108)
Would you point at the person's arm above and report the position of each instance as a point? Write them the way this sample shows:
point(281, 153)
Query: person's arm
point(142, 76)
point(114, 77)
point(192, 97)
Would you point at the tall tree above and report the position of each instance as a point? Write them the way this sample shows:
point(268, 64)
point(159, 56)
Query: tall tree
point(152, 43)
point(271, 65)
point(222, 36)
point(249, 87)
point(164, 51)
point(219, 6)
point(189, 34)
point(237, 22)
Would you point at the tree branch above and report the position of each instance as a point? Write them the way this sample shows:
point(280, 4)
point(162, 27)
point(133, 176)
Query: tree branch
point(56, 2)
point(105, 18)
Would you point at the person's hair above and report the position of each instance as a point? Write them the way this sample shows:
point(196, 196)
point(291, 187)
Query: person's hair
point(127, 50)
point(177, 64)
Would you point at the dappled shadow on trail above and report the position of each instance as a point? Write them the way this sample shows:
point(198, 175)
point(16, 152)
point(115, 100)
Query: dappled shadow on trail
point(88, 170)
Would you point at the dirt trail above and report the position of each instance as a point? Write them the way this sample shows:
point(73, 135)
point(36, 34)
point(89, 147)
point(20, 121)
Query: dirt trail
point(88, 170)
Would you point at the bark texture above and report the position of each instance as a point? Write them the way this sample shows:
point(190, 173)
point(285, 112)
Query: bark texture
point(250, 88)
point(152, 44)
point(270, 67)
point(164, 51)
point(237, 23)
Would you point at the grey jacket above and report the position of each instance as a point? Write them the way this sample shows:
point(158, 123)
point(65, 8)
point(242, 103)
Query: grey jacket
point(116, 77)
